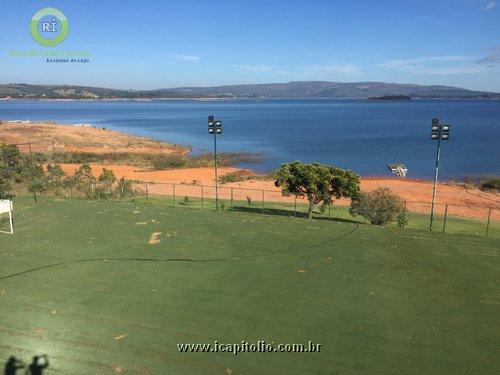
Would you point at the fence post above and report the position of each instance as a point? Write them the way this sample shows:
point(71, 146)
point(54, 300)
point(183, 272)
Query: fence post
point(202, 197)
point(445, 217)
point(295, 209)
point(31, 154)
point(262, 202)
point(329, 210)
point(147, 193)
point(53, 151)
point(404, 212)
point(232, 199)
point(488, 222)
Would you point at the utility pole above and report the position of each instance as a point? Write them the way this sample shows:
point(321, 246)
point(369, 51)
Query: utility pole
point(439, 132)
point(215, 128)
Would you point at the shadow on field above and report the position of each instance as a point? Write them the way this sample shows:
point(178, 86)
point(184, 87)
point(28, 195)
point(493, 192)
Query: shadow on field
point(269, 211)
point(36, 367)
point(339, 219)
point(288, 213)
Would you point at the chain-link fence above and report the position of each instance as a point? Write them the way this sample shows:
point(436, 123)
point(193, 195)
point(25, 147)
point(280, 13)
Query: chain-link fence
point(474, 218)
point(448, 218)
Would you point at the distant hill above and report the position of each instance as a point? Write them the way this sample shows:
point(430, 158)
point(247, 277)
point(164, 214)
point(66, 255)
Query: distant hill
point(22, 90)
point(330, 90)
point(290, 90)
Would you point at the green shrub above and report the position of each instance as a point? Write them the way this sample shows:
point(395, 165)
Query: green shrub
point(232, 177)
point(163, 161)
point(5, 188)
point(402, 220)
point(379, 206)
point(55, 177)
point(490, 184)
point(125, 188)
point(35, 178)
point(82, 182)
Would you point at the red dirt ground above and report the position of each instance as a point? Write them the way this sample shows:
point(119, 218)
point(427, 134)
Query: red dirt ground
point(418, 193)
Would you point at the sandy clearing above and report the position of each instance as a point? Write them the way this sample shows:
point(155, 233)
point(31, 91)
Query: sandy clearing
point(49, 136)
point(199, 176)
point(463, 202)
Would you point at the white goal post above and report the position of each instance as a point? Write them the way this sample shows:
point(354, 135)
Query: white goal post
point(6, 207)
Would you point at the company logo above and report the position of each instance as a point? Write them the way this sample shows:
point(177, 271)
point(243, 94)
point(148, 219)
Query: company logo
point(49, 27)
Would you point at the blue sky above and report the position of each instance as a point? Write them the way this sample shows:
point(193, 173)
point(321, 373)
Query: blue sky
point(159, 44)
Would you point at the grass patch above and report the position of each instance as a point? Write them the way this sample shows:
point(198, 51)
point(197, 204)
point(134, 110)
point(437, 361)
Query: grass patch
point(379, 300)
point(146, 160)
point(485, 183)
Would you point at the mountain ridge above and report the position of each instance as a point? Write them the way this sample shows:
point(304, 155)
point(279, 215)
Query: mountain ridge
point(289, 90)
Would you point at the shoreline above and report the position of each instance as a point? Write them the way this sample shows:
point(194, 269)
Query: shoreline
point(53, 137)
point(145, 100)
point(153, 146)
point(463, 199)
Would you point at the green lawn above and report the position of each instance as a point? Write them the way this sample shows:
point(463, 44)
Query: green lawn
point(100, 299)
point(454, 224)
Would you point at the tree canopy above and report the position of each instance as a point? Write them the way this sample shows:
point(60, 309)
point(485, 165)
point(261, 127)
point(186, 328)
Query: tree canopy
point(319, 183)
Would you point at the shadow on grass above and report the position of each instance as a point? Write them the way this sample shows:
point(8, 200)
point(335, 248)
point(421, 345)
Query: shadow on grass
point(36, 367)
point(339, 220)
point(288, 213)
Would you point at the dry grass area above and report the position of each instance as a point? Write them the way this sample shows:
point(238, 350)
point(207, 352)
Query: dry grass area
point(71, 138)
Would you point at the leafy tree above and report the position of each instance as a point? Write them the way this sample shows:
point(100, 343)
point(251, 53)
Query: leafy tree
point(344, 183)
point(379, 206)
point(10, 161)
point(319, 183)
point(10, 156)
point(35, 178)
point(55, 177)
point(5, 188)
point(83, 181)
point(125, 188)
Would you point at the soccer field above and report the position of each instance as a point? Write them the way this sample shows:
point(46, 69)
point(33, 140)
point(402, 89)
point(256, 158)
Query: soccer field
point(113, 288)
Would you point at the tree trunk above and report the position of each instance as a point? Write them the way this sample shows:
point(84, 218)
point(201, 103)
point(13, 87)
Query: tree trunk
point(310, 213)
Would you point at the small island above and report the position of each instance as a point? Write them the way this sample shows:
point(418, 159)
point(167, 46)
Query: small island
point(390, 97)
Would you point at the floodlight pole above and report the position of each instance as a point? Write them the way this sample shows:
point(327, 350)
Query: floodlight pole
point(215, 169)
point(215, 127)
point(436, 173)
point(439, 132)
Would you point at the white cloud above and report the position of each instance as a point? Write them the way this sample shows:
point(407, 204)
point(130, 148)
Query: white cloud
point(490, 6)
point(252, 68)
point(257, 68)
point(183, 57)
point(436, 65)
point(328, 69)
point(450, 70)
point(492, 58)
point(421, 61)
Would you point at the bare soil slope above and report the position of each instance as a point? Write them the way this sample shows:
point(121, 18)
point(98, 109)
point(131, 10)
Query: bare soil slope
point(70, 138)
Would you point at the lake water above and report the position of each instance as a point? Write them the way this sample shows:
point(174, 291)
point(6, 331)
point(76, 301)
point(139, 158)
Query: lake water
point(362, 135)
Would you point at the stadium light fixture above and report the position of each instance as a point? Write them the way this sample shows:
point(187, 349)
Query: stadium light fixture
point(215, 128)
point(438, 132)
